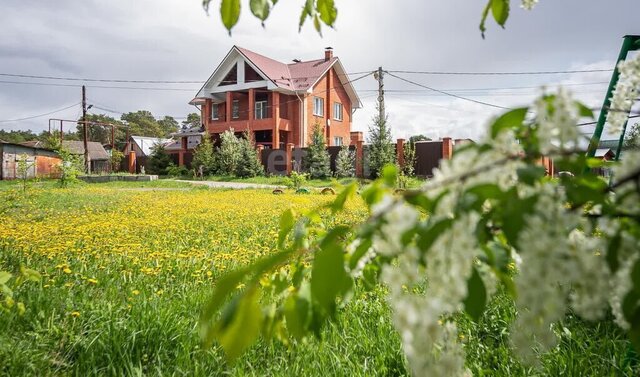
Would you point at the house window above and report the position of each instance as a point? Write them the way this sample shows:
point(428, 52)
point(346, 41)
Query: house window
point(261, 109)
point(214, 111)
point(337, 111)
point(337, 141)
point(235, 109)
point(318, 106)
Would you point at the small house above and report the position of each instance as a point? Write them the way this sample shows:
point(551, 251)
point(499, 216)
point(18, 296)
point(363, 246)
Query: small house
point(42, 162)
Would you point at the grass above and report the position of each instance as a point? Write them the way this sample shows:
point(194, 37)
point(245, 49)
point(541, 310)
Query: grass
point(125, 273)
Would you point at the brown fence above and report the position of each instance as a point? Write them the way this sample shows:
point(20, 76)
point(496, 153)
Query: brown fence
point(428, 156)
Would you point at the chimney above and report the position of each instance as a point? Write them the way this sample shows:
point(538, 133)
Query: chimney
point(328, 53)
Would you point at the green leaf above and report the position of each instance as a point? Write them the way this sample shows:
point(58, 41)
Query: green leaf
point(316, 24)
point(583, 110)
point(230, 13)
point(373, 193)
point(242, 327)
point(390, 175)
point(328, 275)
point(307, 11)
point(348, 192)
point(612, 252)
point(370, 275)
point(4, 277)
point(359, 252)
point(530, 174)
point(260, 8)
point(428, 235)
point(476, 300)
point(297, 313)
point(510, 120)
point(635, 277)
point(287, 221)
point(514, 209)
point(327, 10)
point(483, 19)
point(500, 11)
point(30, 274)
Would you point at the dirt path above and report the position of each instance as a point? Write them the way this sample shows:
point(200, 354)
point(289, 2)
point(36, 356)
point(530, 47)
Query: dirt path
point(232, 185)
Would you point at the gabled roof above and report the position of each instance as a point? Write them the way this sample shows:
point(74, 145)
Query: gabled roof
point(146, 143)
point(96, 150)
point(295, 77)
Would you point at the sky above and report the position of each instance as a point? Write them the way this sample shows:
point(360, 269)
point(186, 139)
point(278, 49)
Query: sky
point(176, 40)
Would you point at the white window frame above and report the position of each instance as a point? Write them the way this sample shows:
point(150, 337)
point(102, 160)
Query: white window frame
point(337, 141)
point(318, 106)
point(235, 109)
point(214, 111)
point(337, 114)
point(261, 109)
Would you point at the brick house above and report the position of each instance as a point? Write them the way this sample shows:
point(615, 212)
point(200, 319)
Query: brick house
point(278, 103)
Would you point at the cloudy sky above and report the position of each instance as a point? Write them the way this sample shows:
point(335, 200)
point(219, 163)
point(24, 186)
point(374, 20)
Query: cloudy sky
point(175, 40)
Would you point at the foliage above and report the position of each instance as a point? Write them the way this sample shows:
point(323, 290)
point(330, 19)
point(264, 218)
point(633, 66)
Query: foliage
point(176, 171)
point(318, 160)
point(17, 136)
point(493, 221)
point(8, 285)
point(193, 121)
point(70, 167)
point(143, 123)
point(23, 169)
point(325, 12)
point(116, 159)
point(203, 157)
point(297, 180)
point(158, 161)
point(228, 154)
point(249, 164)
point(102, 133)
point(345, 163)
point(319, 11)
point(409, 153)
point(381, 150)
point(414, 138)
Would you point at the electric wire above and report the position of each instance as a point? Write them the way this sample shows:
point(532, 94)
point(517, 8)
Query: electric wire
point(39, 115)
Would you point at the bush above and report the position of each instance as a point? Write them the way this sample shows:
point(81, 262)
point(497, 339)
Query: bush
point(248, 164)
point(297, 180)
point(176, 171)
point(203, 157)
point(228, 154)
point(69, 168)
point(345, 163)
point(159, 160)
point(409, 152)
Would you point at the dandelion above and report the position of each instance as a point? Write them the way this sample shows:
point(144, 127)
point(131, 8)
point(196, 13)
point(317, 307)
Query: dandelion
point(66, 270)
point(75, 314)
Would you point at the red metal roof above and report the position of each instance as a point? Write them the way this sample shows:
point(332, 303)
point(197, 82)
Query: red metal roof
point(294, 76)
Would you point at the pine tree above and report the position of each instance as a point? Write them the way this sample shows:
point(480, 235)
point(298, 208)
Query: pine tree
point(318, 159)
point(345, 163)
point(159, 160)
point(248, 164)
point(203, 156)
point(381, 151)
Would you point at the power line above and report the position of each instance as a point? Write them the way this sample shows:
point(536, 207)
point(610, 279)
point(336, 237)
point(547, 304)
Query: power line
point(448, 94)
point(492, 88)
point(39, 115)
point(501, 73)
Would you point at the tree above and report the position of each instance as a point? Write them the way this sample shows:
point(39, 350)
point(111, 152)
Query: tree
point(203, 157)
point(23, 169)
point(70, 166)
point(248, 164)
point(409, 154)
point(345, 163)
point(228, 154)
point(102, 133)
point(142, 123)
point(632, 141)
point(193, 121)
point(17, 136)
point(159, 160)
point(381, 151)
point(318, 159)
point(168, 125)
point(116, 159)
point(414, 138)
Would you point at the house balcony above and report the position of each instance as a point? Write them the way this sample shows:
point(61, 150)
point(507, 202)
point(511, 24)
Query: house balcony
point(258, 111)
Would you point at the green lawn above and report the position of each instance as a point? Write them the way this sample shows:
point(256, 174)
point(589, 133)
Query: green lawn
point(125, 273)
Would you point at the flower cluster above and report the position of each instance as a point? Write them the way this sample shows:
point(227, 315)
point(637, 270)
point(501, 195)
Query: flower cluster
point(528, 4)
point(625, 94)
point(557, 121)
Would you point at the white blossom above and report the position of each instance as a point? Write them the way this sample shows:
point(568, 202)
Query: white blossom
point(528, 4)
point(557, 130)
point(624, 94)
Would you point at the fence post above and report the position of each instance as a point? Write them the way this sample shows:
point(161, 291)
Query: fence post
point(132, 162)
point(289, 156)
point(360, 159)
point(447, 148)
point(400, 153)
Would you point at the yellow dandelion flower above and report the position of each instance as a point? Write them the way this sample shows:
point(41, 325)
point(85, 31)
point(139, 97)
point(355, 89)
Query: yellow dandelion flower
point(75, 314)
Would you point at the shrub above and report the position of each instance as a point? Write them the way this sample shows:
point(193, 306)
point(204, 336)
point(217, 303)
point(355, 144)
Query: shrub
point(318, 159)
point(228, 154)
point(248, 164)
point(381, 150)
point(70, 167)
point(409, 153)
point(116, 159)
point(203, 157)
point(176, 171)
point(345, 163)
point(159, 160)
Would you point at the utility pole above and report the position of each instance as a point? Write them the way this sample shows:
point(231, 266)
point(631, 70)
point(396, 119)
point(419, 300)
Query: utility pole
point(380, 77)
point(85, 134)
